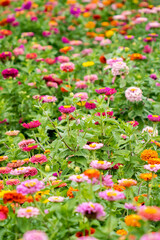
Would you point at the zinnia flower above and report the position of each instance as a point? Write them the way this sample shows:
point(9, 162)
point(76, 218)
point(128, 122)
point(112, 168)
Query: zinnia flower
point(28, 212)
point(100, 164)
point(127, 182)
point(67, 67)
point(67, 109)
point(133, 94)
point(79, 178)
point(32, 124)
point(39, 158)
point(91, 210)
point(93, 146)
point(35, 234)
point(133, 220)
point(151, 213)
point(111, 195)
point(154, 118)
point(30, 186)
point(10, 72)
point(152, 167)
point(55, 199)
point(151, 236)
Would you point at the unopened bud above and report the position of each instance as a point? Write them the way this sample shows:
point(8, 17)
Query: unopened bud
point(47, 168)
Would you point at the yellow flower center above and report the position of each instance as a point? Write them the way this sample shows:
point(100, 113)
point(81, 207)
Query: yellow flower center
point(93, 145)
point(100, 162)
point(92, 205)
point(133, 89)
point(79, 177)
point(111, 194)
point(150, 210)
point(38, 156)
point(67, 106)
point(156, 116)
point(30, 184)
point(28, 210)
point(152, 166)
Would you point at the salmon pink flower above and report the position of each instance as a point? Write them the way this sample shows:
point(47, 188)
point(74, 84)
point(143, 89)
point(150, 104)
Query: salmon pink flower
point(39, 158)
point(79, 178)
point(151, 236)
point(152, 167)
point(55, 199)
point(67, 67)
point(151, 213)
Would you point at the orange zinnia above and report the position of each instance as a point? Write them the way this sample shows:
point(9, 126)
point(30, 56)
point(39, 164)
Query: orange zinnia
point(70, 192)
point(65, 49)
point(147, 176)
point(133, 220)
point(92, 173)
point(148, 153)
point(121, 232)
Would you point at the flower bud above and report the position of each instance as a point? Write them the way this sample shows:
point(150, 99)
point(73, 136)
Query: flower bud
point(77, 169)
point(47, 168)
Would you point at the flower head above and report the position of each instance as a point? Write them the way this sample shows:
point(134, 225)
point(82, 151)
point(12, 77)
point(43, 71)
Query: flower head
point(30, 186)
point(55, 199)
point(151, 213)
point(28, 212)
point(100, 164)
point(67, 109)
point(91, 210)
point(133, 220)
point(111, 195)
point(67, 67)
point(154, 118)
point(33, 124)
point(127, 182)
point(93, 146)
point(79, 178)
point(133, 94)
point(35, 234)
point(39, 158)
point(10, 72)
point(151, 236)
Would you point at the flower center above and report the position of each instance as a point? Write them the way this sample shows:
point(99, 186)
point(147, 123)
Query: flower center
point(67, 106)
point(111, 194)
point(92, 206)
point(156, 116)
point(92, 145)
point(150, 210)
point(30, 184)
point(100, 162)
point(28, 210)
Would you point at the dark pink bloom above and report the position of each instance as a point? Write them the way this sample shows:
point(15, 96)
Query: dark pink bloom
point(27, 5)
point(134, 123)
point(67, 109)
point(90, 105)
point(75, 11)
point(46, 33)
point(10, 72)
point(153, 76)
point(32, 171)
point(154, 118)
point(29, 148)
point(32, 124)
point(65, 40)
point(110, 91)
point(5, 56)
point(147, 49)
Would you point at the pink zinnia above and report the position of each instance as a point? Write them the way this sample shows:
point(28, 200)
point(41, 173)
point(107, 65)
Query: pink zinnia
point(63, 59)
point(28, 212)
point(32, 124)
point(90, 78)
point(39, 158)
point(19, 171)
point(5, 170)
point(91, 210)
point(32, 171)
point(102, 90)
point(82, 95)
point(10, 72)
point(100, 164)
point(67, 109)
point(133, 94)
point(129, 37)
point(152, 167)
point(112, 195)
point(79, 178)
point(56, 199)
point(25, 143)
point(12, 182)
point(154, 118)
point(107, 181)
point(134, 123)
point(35, 235)
point(93, 146)
point(151, 213)
point(47, 98)
point(67, 67)
point(90, 105)
point(151, 236)
point(88, 238)
point(29, 148)
point(81, 84)
point(30, 186)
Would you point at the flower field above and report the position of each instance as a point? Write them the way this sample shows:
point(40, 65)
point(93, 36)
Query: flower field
point(79, 120)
